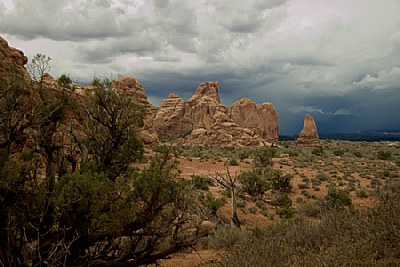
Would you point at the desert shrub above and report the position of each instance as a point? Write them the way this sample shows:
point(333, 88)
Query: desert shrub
point(358, 154)
point(292, 153)
point(254, 183)
point(227, 238)
point(305, 179)
point(303, 185)
point(233, 162)
point(282, 201)
point(315, 182)
point(384, 155)
point(338, 152)
point(201, 182)
point(318, 151)
point(362, 193)
point(263, 159)
point(337, 198)
point(322, 176)
point(310, 210)
point(280, 182)
point(285, 212)
point(213, 204)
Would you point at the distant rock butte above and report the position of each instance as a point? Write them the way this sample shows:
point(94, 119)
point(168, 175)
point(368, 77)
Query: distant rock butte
point(309, 135)
point(206, 121)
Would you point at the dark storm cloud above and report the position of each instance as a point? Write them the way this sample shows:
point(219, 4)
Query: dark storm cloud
point(339, 62)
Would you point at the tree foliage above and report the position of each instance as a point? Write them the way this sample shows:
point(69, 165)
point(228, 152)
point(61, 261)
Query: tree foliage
point(69, 194)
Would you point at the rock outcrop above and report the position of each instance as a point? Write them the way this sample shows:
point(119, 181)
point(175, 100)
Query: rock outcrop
point(309, 135)
point(262, 119)
point(209, 122)
point(130, 86)
point(173, 117)
point(203, 119)
point(11, 57)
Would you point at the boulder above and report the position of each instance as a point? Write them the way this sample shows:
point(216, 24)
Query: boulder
point(309, 135)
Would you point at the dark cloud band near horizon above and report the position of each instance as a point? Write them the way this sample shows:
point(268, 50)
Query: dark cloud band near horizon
point(338, 60)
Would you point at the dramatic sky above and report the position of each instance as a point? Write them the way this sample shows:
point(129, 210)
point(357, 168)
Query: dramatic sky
point(336, 59)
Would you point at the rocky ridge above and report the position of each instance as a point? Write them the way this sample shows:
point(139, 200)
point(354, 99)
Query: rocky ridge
point(202, 120)
point(206, 121)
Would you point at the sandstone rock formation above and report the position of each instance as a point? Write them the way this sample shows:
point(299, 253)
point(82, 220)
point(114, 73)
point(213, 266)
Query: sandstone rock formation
point(203, 117)
point(209, 122)
point(260, 118)
point(173, 117)
point(11, 57)
point(309, 135)
point(130, 86)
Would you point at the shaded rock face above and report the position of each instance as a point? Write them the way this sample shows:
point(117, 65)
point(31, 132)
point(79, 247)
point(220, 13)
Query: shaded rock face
point(130, 86)
point(211, 123)
point(173, 117)
point(10, 56)
point(205, 90)
point(309, 135)
point(260, 118)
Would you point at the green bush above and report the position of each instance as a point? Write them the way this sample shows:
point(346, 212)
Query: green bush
point(201, 183)
point(212, 203)
point(322, 176)
point(384, 155)
point(337, 198)
point(280, 182)
point(303, 185)
point(310, 210)
point(338, 152)
point(318, 151)
point(254, 183)
point(285, 213)
point(282, 201)
point(233, 162)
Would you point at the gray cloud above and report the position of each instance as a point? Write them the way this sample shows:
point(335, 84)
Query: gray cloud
point(336, 60)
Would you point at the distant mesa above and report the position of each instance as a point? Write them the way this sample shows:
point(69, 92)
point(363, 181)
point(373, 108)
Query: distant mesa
point(309, 135)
